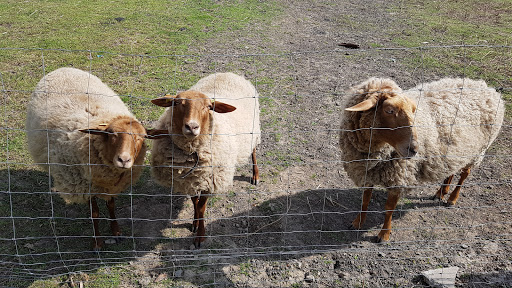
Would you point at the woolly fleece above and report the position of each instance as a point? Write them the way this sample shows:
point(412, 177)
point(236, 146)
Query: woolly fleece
point(456, 121)
point(233, 137)
point(63, 102)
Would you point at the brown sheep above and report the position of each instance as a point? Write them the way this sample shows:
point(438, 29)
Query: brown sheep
point(207, 138)
point(85, 163)
point(397, 139)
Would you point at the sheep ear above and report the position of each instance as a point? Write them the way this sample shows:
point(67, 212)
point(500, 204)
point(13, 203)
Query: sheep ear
point(220, 107)
point(156, 134)
point(166, 101)
point(363, 106)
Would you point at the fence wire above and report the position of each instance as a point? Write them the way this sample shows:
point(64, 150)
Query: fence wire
point(292, 229)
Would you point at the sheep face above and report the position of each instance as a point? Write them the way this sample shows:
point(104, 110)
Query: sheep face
point(191, 112)
point(392, 114)
point(123, 139)
point(397, 114)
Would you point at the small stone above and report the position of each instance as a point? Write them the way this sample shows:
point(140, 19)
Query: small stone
point(110, 241)
point(381, 254)
point(309, 278)
point(464, 246)
point(161, 277)
point(29, 246)
point(344, 275)
point(442, 277)
point(178, 273)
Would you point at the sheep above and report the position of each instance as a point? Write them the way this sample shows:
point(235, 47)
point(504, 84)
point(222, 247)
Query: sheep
point(200, 156)
point(91, 144)
point(396, 139)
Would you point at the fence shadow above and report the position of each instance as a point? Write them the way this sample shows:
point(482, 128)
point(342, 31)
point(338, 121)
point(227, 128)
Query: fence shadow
point(42, 237)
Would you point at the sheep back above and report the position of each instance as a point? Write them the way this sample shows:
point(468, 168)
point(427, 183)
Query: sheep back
point(234, 136)
point(63, 102)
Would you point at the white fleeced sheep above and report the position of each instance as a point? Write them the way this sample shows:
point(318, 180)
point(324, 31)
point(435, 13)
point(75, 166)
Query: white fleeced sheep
point(397, 139)
point(213, 127)
point(84, 135)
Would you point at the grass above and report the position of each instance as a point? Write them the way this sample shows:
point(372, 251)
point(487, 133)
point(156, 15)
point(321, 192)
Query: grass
point(439, 23)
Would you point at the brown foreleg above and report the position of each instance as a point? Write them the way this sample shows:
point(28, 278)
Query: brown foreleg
point(95, 214)
point(255, 171)
point(196, 215)
point(201, 231)
point(111, 205)
point(455, 193)
point(393, 196)
point(361, 217)
point(443, 190)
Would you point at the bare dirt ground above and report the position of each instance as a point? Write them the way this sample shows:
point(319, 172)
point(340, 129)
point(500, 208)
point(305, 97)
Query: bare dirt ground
point(292, 229)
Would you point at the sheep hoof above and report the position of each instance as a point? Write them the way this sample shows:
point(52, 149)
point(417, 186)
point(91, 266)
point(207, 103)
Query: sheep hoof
point(380, 240)
point(449, 204)
point(254, 182)
point(383, 237)
point(197, 244)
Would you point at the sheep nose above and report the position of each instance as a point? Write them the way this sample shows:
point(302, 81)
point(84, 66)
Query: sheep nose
point(192, 127)
point(124, 160)
point(413, 148)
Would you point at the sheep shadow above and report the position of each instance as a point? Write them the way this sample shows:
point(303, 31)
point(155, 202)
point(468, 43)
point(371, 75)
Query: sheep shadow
point(45, 237)
point(41, 236)
point(282, 228)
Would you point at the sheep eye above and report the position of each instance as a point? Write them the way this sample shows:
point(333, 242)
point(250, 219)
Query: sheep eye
point(390, 111)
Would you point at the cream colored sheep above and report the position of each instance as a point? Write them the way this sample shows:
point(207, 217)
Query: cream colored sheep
point(81, 132)
point(397, 139)
point(213, 127)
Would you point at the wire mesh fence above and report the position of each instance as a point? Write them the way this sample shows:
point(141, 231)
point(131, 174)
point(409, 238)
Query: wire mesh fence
point(291, 230)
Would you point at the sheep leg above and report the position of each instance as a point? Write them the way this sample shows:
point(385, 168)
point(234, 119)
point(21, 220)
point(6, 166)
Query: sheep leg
point(196, 214)
point(111, 205)
point(390, 206)
point(201, 231)
point(95, 214)
point(361, 217)
point(255, 171)
point(443, 190)
point(455, 193)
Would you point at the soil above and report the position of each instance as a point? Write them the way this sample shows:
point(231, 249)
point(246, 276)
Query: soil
point(292, 230)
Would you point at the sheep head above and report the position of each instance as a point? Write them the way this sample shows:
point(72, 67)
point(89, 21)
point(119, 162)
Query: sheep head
point(391, 112)
point(123, 140)
point(191, 114)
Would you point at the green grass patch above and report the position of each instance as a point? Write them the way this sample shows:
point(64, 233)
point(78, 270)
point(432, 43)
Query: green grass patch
point(440, 23)
point(153, 27)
